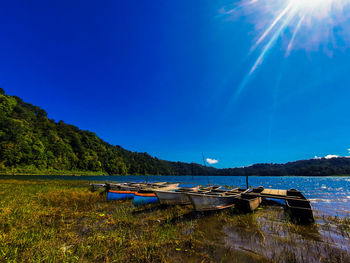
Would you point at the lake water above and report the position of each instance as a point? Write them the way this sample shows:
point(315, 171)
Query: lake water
point(328, 195)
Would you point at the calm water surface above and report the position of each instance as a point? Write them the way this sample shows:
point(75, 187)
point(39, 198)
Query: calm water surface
point(329, 195)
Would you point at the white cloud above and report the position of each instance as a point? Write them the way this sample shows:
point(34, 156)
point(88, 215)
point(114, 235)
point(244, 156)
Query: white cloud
point(330, 156)
point(212, 161)
point(349, 150)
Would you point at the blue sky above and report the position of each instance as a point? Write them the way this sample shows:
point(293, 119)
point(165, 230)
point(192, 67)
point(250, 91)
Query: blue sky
point(171, 78)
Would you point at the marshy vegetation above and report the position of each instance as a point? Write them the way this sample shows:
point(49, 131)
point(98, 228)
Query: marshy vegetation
point(56, 220)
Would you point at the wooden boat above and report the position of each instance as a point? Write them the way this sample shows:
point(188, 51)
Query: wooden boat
point(120, 194)
point(99, 187)
point(127, 190)
point(119, 186)
point(247, 202)
point(147, 195)
point(179, 196)
point(175, 197)
point(299, 209)
point(296, 204)
point(96, 186)
point(215, 200)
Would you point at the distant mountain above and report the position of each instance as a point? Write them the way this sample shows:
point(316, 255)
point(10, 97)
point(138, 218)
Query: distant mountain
point(312, 167)
point(31, 143)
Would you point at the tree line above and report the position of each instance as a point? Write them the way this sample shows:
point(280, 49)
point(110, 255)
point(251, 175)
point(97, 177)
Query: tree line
point(30, 142)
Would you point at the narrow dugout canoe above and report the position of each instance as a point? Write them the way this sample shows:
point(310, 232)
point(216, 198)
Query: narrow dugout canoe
point(127, 190)
point(299, 210)
point(175, 197)
point(99, 187)
point(117, 186)
point(120, 195)
point(296, 204)
point(248, 203)
point(120, 186)
point(148, 196)
point(179, 196)
point(214, 200)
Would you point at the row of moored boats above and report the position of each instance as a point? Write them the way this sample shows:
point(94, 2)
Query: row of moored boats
point(206, 198)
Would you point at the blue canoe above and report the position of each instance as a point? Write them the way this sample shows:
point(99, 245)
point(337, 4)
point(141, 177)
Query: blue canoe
point(148, 196)
point(145, 198)
point(120, 195)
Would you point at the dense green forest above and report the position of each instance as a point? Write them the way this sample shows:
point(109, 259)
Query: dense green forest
point(31, 143)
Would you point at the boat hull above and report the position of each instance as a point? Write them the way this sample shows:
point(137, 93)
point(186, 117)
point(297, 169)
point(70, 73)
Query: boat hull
point(173, 198)
point(300, 211)
point(203, 202)
point(148, 196)
point(144, 199)
point(248, 203)
point(119, 195)
point(101, 188)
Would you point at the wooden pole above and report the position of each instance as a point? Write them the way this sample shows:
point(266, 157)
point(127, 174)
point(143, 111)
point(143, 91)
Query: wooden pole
point(205, 166)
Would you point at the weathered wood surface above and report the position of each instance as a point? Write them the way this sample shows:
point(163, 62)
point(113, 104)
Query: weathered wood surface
point(274, 192)
point(277, 194)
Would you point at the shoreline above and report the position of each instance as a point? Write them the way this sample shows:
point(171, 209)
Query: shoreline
point(88, 173)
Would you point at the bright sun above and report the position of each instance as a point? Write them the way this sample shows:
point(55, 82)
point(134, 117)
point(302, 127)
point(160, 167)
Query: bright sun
point(313, 25)
point(310, 23)
point(310, 4)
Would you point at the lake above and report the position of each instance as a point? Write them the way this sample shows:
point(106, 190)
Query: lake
point(328, 195)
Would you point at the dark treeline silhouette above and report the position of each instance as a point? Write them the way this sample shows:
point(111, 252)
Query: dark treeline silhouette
point(30, 142)
point(312, 167)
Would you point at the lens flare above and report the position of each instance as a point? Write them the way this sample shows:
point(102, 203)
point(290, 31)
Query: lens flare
point(313, 25)
point(310, 4)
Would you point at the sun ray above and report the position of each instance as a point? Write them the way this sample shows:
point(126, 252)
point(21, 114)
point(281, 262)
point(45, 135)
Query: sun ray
point(268, 30)
point(239, 6)
point(290, 14)
point(290, 45)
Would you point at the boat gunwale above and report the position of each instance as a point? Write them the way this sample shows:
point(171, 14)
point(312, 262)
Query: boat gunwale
point(145, 194)
point(122, 192)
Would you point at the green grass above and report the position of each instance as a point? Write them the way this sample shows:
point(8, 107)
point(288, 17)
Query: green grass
point(22, 171)
point(61, 221)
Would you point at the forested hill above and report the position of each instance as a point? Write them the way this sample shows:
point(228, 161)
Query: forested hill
point(312, 167)
point(31, 143)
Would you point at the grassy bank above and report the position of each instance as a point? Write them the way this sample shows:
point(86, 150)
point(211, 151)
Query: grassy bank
point(18, 171)
point(55, 221)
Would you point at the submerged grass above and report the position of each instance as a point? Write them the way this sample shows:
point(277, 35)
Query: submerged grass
point(61, 221)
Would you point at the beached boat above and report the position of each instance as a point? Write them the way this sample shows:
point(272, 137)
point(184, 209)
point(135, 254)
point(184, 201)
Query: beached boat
point(296, 204)
point(247, 202)
point(99, 187)
point(127, 190)
point(299, 209)
point(214, 200)
point(148, 196)
point(108, 185)
point(175, 197)
point(105, 187)
point(120, 194)
point(179, 196)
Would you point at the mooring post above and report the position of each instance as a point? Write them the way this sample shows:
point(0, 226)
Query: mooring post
point(247, 181)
